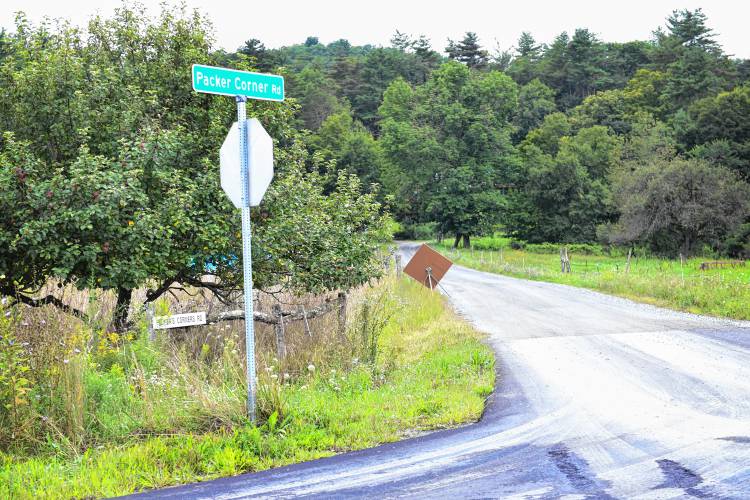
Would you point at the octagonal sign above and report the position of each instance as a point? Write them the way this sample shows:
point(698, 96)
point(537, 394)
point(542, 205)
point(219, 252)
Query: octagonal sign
point(259, 161)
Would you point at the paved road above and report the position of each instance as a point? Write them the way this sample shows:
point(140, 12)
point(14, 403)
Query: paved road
point(598, 397)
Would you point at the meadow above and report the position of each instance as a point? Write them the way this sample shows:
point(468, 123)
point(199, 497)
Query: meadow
point(94, 415)
point(674, 283)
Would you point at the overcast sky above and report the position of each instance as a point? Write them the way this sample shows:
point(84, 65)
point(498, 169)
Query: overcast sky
point(498, 23)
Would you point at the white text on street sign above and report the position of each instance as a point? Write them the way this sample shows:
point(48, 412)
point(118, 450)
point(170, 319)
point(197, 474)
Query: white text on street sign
point(225, 81)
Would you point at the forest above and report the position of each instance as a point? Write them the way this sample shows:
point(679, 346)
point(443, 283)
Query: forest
point(575, 139)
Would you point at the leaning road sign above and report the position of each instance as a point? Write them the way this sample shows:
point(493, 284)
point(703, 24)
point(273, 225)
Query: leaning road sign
point(179, 320)
point(427, 266)
point(259, 162)
point(232, 82)
point(250, 171)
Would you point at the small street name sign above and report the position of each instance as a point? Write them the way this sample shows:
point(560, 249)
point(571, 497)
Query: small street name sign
point(179, 320)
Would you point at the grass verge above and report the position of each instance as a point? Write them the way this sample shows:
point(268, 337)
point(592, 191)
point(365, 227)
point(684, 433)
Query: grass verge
point(667, 283)
point(423, 369)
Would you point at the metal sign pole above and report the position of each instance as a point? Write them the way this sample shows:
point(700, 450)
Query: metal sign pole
point(247, 262)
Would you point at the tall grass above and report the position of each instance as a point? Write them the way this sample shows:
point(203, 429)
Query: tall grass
point(676, 284)
point(113, 415)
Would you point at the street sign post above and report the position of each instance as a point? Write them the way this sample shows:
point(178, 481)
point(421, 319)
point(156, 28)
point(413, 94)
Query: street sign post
point(255, 150)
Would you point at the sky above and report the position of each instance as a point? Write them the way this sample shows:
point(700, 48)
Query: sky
point(498, 23)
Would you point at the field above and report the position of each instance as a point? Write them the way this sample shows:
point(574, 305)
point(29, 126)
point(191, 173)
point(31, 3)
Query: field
point(118, 416)
point(667, 283)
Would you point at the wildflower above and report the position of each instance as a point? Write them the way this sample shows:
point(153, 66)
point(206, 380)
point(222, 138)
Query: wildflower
point(77, 350)
point(287, 376)
point(4, 300)
point(311, 367)
point(7, 314)
point(355, 361)
point(66, 361)
point(274, 376)
point(44, 418)
point(269, 369)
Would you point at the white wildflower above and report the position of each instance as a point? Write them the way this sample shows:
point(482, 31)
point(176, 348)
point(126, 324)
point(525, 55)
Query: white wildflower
point(311, 367)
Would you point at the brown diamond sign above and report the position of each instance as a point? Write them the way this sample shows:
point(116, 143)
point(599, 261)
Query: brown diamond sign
point(428, 266)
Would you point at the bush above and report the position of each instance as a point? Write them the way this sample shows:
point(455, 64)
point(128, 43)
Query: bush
point(491, 242)
point(424, 231)
point(574, 248)
point(737, 245)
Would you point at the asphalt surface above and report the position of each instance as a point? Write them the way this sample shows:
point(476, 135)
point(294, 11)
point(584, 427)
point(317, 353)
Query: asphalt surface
point(598, 397)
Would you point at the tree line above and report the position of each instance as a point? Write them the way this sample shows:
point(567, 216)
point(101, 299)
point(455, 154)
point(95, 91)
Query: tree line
point(578, 140)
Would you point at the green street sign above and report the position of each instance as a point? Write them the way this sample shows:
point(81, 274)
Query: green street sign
point(225, 81)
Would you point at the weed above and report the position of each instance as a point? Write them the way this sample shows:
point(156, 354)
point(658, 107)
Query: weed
point(140, 415)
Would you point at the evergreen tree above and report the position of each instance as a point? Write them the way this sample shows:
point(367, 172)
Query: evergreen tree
point(689, 29)
point(468, 51)
point(527, 46)
point(261, 58)
point(401, 41)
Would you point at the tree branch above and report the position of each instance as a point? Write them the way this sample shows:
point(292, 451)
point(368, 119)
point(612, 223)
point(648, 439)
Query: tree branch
point(152, 295)
point(51, 299)
point(269, 319)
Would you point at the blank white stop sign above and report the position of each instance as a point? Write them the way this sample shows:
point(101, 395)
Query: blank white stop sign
point(259, 161)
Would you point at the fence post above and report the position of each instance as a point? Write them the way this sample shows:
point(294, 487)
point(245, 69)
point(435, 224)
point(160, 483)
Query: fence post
point(279, 329)
point(564, 260)
point(342, 314)
point(307, 324)
point(398, 264)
